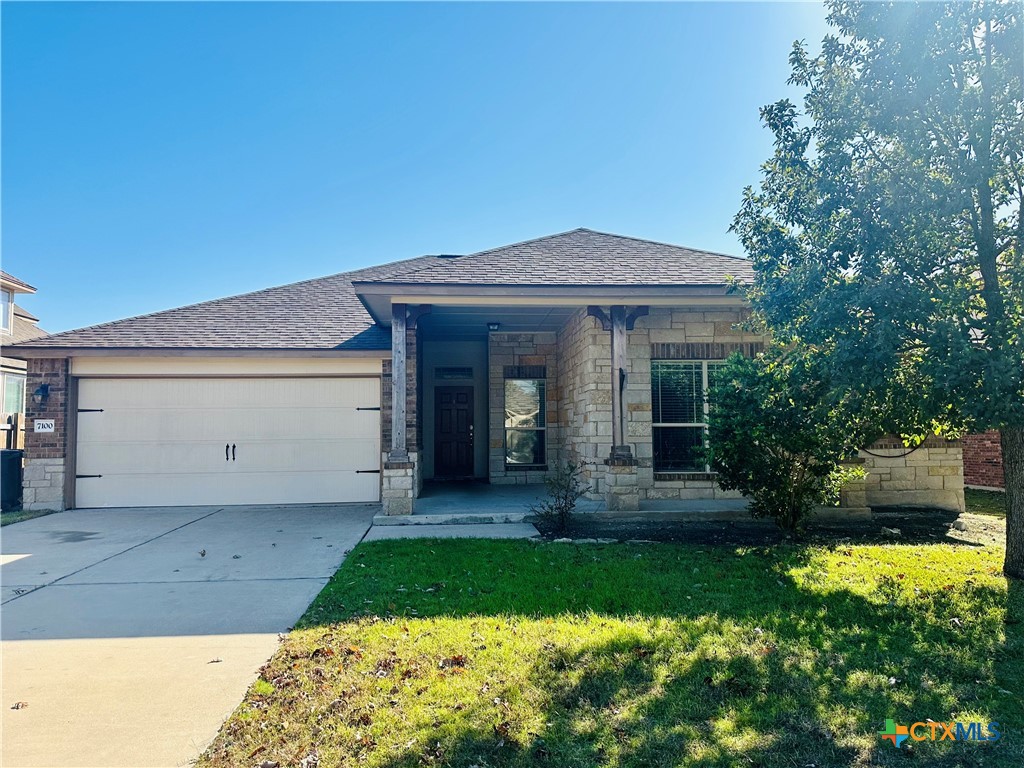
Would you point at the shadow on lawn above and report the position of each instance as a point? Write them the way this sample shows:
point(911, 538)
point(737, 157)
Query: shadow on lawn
point(779, 679)
point(914, 526)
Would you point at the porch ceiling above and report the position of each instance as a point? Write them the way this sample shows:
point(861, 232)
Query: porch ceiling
point(460, 323)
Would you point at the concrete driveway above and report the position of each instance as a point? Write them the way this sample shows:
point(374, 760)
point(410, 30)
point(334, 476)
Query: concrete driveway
point(128, 645)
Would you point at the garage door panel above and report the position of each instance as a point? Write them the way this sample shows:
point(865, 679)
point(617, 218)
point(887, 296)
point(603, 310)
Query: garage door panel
point(175, 425)
point(242, 488)
point(160, 442)
point(136, 457)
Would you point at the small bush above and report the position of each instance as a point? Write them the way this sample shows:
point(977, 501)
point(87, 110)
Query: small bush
point(565, 488)
point(776, 434)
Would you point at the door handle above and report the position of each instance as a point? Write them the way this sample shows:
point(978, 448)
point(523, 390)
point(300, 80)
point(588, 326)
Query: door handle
point(226, 446)
point(232, 451)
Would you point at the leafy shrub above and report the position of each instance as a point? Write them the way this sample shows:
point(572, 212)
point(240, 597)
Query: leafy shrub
point(776, 433)
point(565, 488)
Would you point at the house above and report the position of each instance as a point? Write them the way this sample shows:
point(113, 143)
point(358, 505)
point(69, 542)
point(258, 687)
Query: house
point(16, 325)
point(359, 387)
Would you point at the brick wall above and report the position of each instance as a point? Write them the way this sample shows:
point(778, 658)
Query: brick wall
point(46, 452)
point(983, 460)
point(413, 432)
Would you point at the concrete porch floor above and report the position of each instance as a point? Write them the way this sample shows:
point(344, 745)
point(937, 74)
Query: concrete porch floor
point(471, 502)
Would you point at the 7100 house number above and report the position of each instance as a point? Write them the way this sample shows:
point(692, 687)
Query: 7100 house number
point(43, 425)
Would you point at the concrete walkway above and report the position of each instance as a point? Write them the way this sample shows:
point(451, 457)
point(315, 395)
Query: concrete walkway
point(460, 531)
point(128, 645)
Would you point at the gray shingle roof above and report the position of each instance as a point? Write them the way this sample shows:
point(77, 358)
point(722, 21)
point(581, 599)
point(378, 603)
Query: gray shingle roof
point(7, 277)
point(582, 257)
point(25, 328)
point(326, 313)
point(323, 313)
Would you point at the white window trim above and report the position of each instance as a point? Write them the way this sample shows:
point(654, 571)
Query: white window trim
point(706, 408)
point(8, 319)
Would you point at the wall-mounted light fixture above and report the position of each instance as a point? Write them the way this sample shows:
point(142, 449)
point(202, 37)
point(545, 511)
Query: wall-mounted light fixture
point(41, 395)
point(493, 326)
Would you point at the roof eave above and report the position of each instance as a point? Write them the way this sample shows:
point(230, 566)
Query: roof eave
point(27, 350)
point(377, 296)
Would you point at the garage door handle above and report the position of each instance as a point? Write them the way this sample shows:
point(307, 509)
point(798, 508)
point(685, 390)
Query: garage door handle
point(232, 451)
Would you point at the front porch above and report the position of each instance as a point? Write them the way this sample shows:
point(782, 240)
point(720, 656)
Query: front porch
point(474, 501)
point(503, 394)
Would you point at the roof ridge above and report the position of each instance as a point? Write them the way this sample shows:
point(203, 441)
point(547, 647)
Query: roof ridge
point(662, 242)
point(229, 298)
point(530, 240)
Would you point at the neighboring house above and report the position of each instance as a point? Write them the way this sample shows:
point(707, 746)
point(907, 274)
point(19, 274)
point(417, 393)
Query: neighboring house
point(580, 346)
point(983, 460)
point(16, 325)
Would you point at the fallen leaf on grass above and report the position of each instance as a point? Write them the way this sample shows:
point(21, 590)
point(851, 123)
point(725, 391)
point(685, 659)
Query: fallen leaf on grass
point(453, 661)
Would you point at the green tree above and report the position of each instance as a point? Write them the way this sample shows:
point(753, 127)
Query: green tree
point(777, 433)
point(886, 231)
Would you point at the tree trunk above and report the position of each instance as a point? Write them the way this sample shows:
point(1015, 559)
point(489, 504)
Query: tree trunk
point(1012, 439)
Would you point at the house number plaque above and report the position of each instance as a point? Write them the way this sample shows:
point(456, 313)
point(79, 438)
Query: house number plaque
point(43, 425)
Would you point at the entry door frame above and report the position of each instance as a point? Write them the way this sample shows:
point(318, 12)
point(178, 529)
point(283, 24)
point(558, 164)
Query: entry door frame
point(442, 472)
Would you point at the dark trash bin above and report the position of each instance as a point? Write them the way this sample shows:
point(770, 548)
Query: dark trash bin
point(10, 479)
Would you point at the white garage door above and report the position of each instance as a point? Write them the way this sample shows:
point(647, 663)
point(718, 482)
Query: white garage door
point(181, 441)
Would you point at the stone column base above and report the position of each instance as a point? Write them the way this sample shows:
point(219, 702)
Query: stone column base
point(43, 485)
point(398, 481)
point(622, 487)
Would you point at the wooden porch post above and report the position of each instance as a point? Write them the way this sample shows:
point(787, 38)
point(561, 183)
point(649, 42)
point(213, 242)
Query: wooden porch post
point(618, 321)
point(618, 333)
point(399, 389)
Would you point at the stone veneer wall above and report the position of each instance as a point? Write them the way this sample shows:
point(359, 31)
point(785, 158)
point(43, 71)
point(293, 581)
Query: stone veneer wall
point(584, 353)
point(521, 349)
point(584, 400)
point(983, 460)
point(929, 476)
point(46, 452)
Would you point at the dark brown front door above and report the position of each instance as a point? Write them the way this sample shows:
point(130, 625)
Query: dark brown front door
point(453, 431)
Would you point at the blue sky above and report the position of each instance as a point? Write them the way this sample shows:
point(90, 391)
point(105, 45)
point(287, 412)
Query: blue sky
point(156, 155)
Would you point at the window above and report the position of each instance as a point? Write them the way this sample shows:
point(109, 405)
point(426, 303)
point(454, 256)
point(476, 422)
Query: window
point(7, 310)
point(680, 413)
point(13, 393)
point(524, 423)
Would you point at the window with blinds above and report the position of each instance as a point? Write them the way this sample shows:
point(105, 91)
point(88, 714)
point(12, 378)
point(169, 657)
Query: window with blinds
point(680, 413)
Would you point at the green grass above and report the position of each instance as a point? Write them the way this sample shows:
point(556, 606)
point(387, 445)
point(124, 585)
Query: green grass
point(985, 502)
point(18, 516)
point(512, 653)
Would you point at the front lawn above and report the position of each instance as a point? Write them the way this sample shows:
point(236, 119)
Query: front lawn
point(981, 502)
point(20, 515)
point(514, 653)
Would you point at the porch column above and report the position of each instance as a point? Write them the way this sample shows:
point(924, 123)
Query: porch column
point(400, 481)
point(399, 387)
point(622, 492)
point(617, 321)
point(619, 343)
